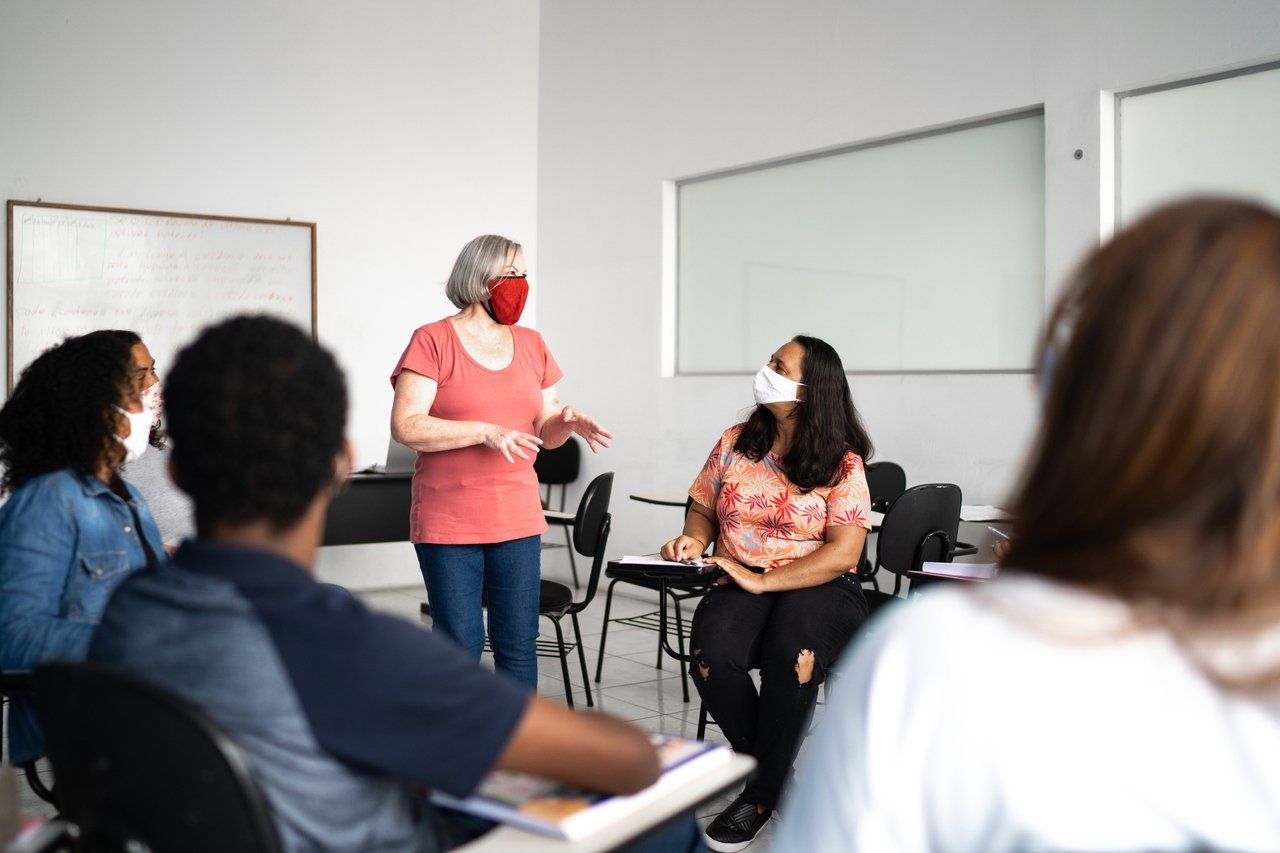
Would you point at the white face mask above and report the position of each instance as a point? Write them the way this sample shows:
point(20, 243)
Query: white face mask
point(139, 434)
point(151, 403)
point(770, 387)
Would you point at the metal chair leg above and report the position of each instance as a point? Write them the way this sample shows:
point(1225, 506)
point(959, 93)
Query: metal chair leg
point(604, 628)
point(684, 670)
point(702, 721)
point(662, 635)
point(564, 663)
point(38, 786)
point(582, 659)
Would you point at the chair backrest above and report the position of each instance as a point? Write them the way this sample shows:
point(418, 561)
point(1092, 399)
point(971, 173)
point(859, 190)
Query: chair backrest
point(885, 481)
point(137, 764)
point(920, 525)
point(559, 466)
point(591, 529)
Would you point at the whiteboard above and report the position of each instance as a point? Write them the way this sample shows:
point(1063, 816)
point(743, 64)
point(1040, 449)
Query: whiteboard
point(921, 254)
point(74, 269)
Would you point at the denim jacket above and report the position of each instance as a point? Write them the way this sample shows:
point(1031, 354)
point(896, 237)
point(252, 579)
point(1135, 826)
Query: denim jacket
point(66, 542)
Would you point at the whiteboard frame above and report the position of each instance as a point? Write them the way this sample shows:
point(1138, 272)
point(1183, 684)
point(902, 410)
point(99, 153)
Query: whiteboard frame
point(670, 345)
point(12, 203)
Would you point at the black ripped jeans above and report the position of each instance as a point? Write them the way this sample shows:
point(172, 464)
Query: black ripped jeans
point(735, 632)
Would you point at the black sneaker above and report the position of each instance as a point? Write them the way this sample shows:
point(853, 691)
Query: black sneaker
point(736, 827)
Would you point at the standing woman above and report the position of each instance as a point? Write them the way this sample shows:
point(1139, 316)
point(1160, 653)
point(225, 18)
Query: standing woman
point(72, 529)
point(475, 395)
point(784, 497)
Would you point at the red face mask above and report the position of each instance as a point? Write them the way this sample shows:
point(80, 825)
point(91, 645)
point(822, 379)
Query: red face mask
point(507, 295)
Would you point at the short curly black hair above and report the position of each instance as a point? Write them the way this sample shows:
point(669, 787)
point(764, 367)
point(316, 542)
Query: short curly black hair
point(60, 414)
point(257, 413)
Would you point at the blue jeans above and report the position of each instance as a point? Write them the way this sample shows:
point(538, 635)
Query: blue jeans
point(509, 575)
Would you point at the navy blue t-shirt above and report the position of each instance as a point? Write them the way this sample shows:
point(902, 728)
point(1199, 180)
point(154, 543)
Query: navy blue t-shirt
point(338, 707)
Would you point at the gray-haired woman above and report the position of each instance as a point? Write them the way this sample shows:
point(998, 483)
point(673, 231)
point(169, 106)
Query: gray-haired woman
point(475, 395)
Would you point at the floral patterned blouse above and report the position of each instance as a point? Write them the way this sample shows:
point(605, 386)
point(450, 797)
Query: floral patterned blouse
point(766, 521)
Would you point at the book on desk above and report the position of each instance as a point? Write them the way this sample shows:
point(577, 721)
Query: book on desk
point(550, 808)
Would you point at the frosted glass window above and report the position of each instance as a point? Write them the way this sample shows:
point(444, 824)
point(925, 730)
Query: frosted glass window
point(919, 255)
point(1218, 136)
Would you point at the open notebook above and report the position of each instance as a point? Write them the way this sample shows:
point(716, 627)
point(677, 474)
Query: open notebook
point(547, 807)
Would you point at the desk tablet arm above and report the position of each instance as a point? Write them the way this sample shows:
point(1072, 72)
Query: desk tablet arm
point(16, 682)
point(963, 549)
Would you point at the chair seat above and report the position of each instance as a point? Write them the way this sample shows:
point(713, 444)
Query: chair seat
point(564, 519)
point(554, 597)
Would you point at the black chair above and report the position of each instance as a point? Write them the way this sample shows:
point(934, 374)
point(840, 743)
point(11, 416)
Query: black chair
point(920, 526)
point(560, 467)
point(678, 590)
point(18, 683)
point(885, 481)
point(590, 536)
point(141, 769)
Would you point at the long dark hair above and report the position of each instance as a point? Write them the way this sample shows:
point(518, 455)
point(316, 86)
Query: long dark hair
point(1155, 478)
point(60, 413)
point(827, 423)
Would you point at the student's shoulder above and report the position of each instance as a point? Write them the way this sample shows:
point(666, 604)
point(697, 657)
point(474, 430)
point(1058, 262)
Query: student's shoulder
point(49, 490)
point(729, 437)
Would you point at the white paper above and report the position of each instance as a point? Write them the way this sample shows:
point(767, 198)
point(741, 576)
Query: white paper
point(964, 571)
point(658, 561)
point(982, 512)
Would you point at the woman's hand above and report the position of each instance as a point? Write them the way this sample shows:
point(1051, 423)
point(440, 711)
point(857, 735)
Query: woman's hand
point(682, 548)
point(743, 577)
point(595, 435)
point(511, 442)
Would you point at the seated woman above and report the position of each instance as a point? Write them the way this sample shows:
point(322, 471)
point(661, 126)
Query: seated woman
point(1116, 688)
point(785, 498)
point(72, 530)
point(169, 506)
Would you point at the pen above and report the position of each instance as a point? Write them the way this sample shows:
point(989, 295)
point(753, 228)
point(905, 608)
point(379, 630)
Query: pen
point(1000, 533)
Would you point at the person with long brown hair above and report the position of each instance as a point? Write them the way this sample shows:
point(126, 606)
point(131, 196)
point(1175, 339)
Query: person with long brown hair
point(784, 498)
point(1118, 688)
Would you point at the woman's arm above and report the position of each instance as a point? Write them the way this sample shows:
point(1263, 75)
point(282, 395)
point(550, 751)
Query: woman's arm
point(593, 751)
point(37, 554)
point(413, 426)
point(556, 422)
point(837, 555)
point(700, 525)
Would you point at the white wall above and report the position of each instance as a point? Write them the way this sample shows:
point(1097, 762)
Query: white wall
point(632, 94)
point(402, 127)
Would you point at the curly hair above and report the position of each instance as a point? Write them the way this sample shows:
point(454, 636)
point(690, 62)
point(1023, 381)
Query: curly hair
point(257, 412)
point(60, 413)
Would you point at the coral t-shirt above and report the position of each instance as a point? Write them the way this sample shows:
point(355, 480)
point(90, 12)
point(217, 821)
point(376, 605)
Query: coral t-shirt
point(764, 519)
point(473, 495)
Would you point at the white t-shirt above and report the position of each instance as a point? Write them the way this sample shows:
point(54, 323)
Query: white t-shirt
point(1027, 715)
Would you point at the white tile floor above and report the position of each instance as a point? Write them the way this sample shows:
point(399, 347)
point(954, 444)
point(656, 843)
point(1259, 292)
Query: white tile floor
point(630, 686)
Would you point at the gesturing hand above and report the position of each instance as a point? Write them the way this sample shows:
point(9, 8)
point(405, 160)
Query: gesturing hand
point(587, 427)
point(743, 577)
point(511, 442)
